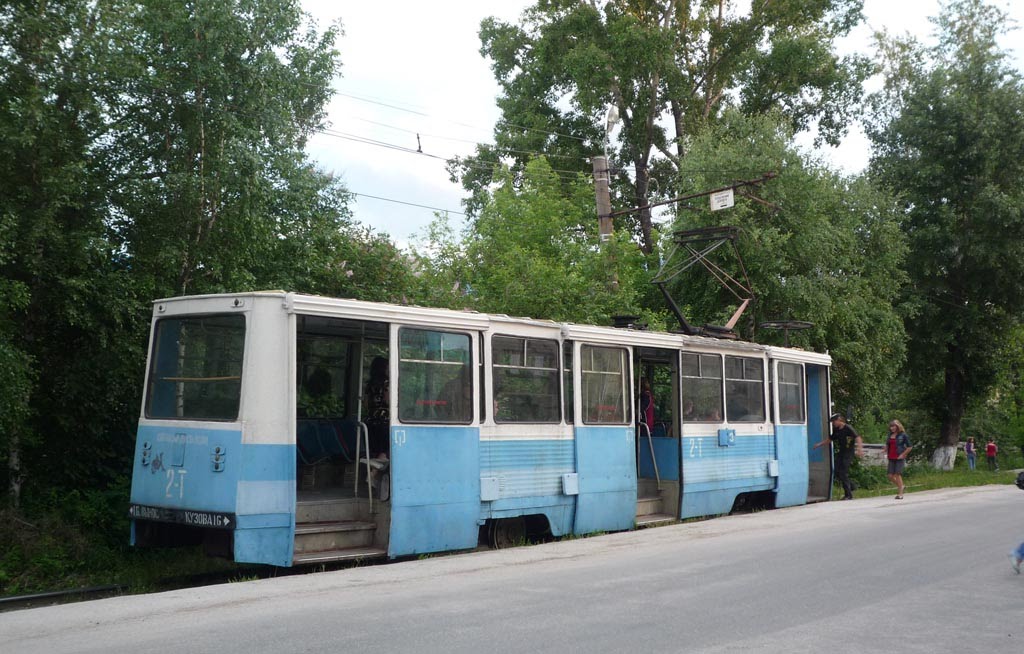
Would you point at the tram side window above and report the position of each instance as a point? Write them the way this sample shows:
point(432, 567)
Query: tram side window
point(791, 393)
point(744, 389)
point(435, 380)
point(605, 386)
point(196, 368)
point(702, 387)
point(525, 373)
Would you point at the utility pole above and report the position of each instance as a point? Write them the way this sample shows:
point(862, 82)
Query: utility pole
point(604, 214)
point(604, 202)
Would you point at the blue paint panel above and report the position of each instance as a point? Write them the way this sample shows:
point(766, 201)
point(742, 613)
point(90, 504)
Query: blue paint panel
point(524, 505)
point(265, 520)
point(558, 510)
point(666, 450)
point(714, 475)
point(257, 483)
point(527, 468)
point(606, 463)
point(791, 446)
point(713, 502)
point(529, 480)
point(272, 546)
point(193, 484)
point(435, 489)
point(266, 462)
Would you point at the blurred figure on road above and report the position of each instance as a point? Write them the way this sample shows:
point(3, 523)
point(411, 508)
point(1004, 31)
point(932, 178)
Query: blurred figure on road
point(1017, 557)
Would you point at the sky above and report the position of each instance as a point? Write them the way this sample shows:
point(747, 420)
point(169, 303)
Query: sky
point(415, 91)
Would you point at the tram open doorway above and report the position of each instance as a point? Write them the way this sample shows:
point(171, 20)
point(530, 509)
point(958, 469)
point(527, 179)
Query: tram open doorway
point(819, 463)
point(657, 435)
point(341, 439)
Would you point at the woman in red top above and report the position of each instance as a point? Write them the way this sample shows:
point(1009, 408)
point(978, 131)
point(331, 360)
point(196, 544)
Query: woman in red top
point(897, 448)
point(990, 454)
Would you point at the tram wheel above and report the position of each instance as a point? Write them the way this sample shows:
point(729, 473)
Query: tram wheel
point(507, 532)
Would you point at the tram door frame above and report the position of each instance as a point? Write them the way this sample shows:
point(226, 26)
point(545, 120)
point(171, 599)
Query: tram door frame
point(668, 448)
point(435, 480)
point(818, 379)
point(605, 454)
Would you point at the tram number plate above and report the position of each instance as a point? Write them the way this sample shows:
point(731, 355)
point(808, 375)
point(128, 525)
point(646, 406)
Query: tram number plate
point(182, 516)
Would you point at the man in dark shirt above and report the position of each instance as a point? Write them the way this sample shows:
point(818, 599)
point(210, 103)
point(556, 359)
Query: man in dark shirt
point(845, 438)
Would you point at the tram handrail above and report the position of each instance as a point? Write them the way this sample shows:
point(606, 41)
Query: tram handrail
point(361, 428)
point(654, 459)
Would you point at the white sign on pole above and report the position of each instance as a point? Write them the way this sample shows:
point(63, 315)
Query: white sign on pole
point(721, 200)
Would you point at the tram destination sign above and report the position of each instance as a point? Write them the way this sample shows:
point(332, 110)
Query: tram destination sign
point(182, 516)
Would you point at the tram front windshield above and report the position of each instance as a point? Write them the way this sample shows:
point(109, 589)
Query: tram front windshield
point(195, 370)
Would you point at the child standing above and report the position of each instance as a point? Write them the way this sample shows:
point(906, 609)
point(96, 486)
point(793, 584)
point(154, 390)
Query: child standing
point(897, 449)
point(971, 452)
point(990, 455)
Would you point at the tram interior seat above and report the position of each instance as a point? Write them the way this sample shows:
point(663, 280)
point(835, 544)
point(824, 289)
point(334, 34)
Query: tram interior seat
point(318, 439)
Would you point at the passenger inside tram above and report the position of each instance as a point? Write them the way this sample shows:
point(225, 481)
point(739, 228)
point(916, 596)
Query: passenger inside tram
point(646, 403)
point(378, 420)
point(458, 398)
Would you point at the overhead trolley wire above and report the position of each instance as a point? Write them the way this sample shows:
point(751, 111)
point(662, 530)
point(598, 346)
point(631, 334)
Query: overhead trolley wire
point(408, 150)
point(455, 122)
point(460, 140)
point(411, 204)
point(382, 104)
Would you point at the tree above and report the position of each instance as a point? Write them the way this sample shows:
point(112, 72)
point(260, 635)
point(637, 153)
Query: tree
point(209, 140)
point(151, 149)
point(948, 137)
point(669, 68)
point(61, 295)
point(525, 256)
point(817, 247)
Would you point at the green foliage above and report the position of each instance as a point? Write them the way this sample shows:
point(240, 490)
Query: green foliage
point(871, 481)
point(825, 249)
point(209, 142)
point(565, 63)
point(73, 539)
point(525, 255)
point(150, 149)
point(65, 302)
point(948, 139)
point(866, 476)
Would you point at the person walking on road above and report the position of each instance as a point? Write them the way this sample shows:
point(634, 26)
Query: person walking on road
point(991, 450)
point(971, 450)
point(845, 438)
point(1017, 558)
point(897, 448)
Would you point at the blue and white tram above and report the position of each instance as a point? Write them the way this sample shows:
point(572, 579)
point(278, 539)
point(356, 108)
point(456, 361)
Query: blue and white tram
point(289, 429)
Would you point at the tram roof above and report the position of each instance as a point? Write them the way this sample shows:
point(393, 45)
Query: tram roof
point(471, 319)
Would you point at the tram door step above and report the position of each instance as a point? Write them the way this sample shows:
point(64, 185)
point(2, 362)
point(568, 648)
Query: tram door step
point(336, 530)
point(350, 554)
point(650, 504)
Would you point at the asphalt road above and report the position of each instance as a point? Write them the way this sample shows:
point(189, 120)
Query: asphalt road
point(927, 574)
